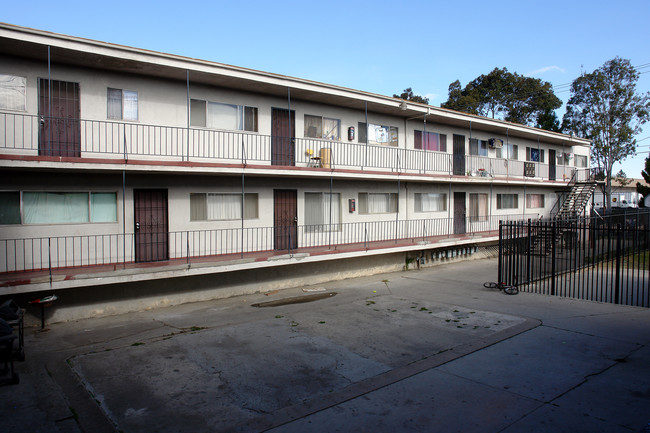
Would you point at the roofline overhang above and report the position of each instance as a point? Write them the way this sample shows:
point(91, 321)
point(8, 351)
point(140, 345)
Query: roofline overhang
point(31, 43)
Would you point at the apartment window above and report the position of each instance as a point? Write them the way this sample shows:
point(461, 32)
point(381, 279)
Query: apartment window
point(322, 211)
point(507, 201)
point(581, 160)
point(430, 202)
point(534, 201)
point(508, 151)
point(10, 207)
point(378, 134)
point(322, 127)
point(534, 155)
point(222, 206)
point(478, 147)
point(430, 141)
point(13, 91)
point(69, 207)
point(373, 203)
point(216, 115)
point(478, 207)
point(122, 104)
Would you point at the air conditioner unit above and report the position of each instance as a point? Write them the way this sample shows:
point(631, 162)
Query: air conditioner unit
point(495, 143)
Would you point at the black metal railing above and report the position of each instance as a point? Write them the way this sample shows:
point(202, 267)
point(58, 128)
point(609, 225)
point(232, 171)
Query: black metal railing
point(79, 251)
point(605, 259)
point(19, 135)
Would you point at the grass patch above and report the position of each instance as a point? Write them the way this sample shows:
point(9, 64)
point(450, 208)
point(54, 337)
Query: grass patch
point(138, 344)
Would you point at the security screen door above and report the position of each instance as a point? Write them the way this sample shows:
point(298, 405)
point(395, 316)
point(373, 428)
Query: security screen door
point(58, 113)
point(151, 229)
point(283, 133)
point(285, 210)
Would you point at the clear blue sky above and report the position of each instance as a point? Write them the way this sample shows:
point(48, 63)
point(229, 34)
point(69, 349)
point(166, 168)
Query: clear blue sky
point(377, 46)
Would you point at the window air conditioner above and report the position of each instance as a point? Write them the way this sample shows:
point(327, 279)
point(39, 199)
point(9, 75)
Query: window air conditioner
point(495, 143)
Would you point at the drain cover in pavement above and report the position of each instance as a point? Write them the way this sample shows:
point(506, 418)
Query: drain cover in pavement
point(295, 300)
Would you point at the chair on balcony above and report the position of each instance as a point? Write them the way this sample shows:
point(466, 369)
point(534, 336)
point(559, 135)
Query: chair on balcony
point(314, 161)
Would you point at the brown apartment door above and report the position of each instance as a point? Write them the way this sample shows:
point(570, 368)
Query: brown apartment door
point(459, 155)
point(283, 133)
point(285, 210)
point(551, 164)
point(460, 213)
point(58, 111)
point(151, 227)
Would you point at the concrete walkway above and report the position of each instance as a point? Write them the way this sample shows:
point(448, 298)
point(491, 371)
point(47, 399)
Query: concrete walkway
point(429, 350)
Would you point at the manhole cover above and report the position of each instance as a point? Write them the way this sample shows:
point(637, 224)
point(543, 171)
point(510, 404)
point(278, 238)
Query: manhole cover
point(295, 300)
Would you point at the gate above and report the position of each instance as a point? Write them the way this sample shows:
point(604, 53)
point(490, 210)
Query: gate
point(598, 259)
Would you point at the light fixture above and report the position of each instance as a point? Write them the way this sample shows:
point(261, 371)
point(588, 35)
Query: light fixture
point(402, 106)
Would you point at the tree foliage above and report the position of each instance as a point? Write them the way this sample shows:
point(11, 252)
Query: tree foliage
point(408, 95)
point(644, 190)
point(605, 108)
point(502, 94)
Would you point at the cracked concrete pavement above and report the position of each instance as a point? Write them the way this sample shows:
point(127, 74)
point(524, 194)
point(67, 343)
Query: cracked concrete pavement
point(423, 350)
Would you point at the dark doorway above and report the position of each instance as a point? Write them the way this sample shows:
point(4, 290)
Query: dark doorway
point(551, 164)
point(460, 213)
point(459, 155)
point(283, 133)
point(151, 229)
point(58, 111)
point(285, 208)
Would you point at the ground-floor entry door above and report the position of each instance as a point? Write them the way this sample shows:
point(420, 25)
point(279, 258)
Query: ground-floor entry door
point(151, 225)
point(285, 211)
point(460, 212)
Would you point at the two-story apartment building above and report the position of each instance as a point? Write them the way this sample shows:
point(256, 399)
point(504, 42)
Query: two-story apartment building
point(122, 166)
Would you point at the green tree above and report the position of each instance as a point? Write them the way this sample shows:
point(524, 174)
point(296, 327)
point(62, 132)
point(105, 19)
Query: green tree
point(500, 93)
point(605, 108)
point(622, 178)
point(644, 190)
point(408, 95)
point(548, 120)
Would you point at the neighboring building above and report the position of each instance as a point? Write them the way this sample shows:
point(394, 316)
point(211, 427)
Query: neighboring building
point(159, 166)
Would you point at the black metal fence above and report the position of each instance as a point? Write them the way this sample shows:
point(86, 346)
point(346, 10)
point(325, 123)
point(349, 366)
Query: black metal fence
point(605, 259)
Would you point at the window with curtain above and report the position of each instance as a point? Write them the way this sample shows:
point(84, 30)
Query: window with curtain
point(478, 147)
point(9, 207)
point(534, 155)
point(122, 104)
point(478, 207)
point(13, 92)
point(508, 151)
point(378, 134)
point(507, 201)
point(103, 207)
point(581, 161)
point(373, 203)
point(430, 202)
point(322, 127)
point(69, 207)
point(534, 201)
point(322, 211)
point(217, 115)
point(222, 206)
point(430, 141)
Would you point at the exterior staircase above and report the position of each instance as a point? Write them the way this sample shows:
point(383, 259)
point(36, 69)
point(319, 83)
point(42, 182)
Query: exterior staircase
point(569, 207)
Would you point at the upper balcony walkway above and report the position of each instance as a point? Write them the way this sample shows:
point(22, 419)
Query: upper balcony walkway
point(27, 138)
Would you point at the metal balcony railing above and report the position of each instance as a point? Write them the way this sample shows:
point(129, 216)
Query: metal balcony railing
point(20, 135)
point(57, 252)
